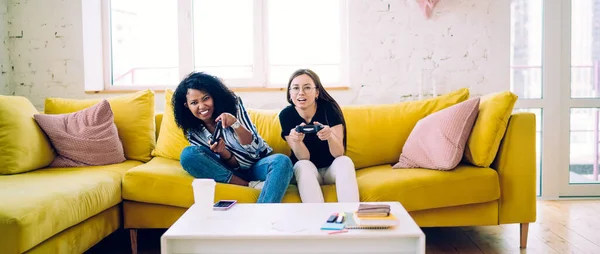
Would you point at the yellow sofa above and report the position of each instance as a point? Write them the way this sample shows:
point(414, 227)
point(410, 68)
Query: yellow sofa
point(500, 190)
point(495, 183)
point(64, 210)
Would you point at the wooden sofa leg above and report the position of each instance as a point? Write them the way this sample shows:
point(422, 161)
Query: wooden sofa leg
point(133, 236)
point(524, 230)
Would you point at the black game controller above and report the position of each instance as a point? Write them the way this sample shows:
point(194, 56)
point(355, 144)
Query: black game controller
point(309, 128)
point(218, 134)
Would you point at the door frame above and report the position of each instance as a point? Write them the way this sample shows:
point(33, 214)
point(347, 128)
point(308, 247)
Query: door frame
point(566, 189)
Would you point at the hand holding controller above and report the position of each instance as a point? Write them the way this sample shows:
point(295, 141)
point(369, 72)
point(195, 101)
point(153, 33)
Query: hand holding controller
point(218, 134)
point(309, 128)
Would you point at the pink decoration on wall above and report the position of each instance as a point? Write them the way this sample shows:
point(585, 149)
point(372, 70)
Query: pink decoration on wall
point(427, 6)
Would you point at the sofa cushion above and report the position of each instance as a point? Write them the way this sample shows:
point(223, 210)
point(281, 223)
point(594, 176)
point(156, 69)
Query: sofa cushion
point(438, 140)
point(489, 128)
point(158, 118)
point(39, 204)
point(420, 189)
point(23, 145)
point(87, 137)
point(268, 126)
point(147, 183)
point(377, 133)
point(134, 118)
point(170, 141)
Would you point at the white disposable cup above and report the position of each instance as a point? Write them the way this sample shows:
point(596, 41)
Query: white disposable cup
point(204, 195)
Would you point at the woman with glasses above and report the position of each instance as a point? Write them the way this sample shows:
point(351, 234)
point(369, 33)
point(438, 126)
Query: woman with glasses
point(239, 156)
point(318, 155)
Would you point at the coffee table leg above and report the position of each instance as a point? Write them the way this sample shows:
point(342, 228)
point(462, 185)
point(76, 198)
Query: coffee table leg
point(421, 249)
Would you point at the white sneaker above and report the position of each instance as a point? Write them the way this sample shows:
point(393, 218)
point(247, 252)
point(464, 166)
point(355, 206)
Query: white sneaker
point(256, 184)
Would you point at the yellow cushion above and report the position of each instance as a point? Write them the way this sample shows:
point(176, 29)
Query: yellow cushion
point(420, 189)
point(158, 120)
point(23, 145)
point(147, 183)
point(171, 140)
point(377, 133)
point(134, 118)
point(490, 126)
point(39, 204)
point(268, 127)
point(416, 189)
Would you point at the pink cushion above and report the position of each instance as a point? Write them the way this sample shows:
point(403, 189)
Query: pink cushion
point(438, 140)
point(84, 138)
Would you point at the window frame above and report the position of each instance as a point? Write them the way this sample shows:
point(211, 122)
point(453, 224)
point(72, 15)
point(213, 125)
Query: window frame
point(259, 81)
point(556, 104)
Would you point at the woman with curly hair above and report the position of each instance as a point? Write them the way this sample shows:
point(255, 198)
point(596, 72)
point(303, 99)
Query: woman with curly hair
point(240, 156)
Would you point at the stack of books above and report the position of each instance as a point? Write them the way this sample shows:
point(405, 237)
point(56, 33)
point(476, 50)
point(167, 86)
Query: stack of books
point(372, 216)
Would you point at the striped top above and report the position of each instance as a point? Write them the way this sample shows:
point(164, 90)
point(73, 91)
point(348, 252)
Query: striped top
point(246, 155)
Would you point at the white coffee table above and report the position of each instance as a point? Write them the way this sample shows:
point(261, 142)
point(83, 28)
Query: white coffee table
point(287, 228)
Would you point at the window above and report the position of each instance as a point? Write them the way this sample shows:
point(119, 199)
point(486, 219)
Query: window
point(259, 43)
point(526, 48)
point(554, 69)
point(526, 68)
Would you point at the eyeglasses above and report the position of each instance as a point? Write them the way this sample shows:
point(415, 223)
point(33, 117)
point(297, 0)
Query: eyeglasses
point(306, 89)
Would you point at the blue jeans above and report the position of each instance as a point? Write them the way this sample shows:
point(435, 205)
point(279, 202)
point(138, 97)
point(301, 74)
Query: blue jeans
point(276, 170)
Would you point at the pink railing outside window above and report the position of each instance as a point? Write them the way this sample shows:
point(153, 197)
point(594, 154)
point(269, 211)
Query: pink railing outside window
point(131, 73)
point(596, 86)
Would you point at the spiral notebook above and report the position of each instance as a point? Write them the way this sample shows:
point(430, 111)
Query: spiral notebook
point(354, 222)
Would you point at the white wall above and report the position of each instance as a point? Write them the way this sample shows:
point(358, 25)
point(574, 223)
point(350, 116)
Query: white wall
point(48, 59)
point(5, 89)
point(466, 44)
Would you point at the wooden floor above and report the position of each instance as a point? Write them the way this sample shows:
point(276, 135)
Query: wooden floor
point(561, 227)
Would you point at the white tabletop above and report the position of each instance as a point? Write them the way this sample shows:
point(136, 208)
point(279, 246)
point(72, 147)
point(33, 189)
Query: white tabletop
point(281, 221)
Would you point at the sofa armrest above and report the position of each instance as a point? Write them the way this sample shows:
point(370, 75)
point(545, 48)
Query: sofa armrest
point(516, 166)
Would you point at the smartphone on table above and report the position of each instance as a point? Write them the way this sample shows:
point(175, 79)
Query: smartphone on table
point(223, 205)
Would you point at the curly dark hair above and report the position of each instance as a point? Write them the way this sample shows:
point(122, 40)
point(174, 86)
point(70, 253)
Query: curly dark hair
point(224, 99)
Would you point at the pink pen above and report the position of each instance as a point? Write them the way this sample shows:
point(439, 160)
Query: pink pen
point(338, 231)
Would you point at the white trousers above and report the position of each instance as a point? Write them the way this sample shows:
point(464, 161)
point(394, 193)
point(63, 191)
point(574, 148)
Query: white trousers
point(341, 173)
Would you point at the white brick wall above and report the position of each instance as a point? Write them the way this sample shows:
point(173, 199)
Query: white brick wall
point(5, 89)
point(47, 59)
point(466, 44)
